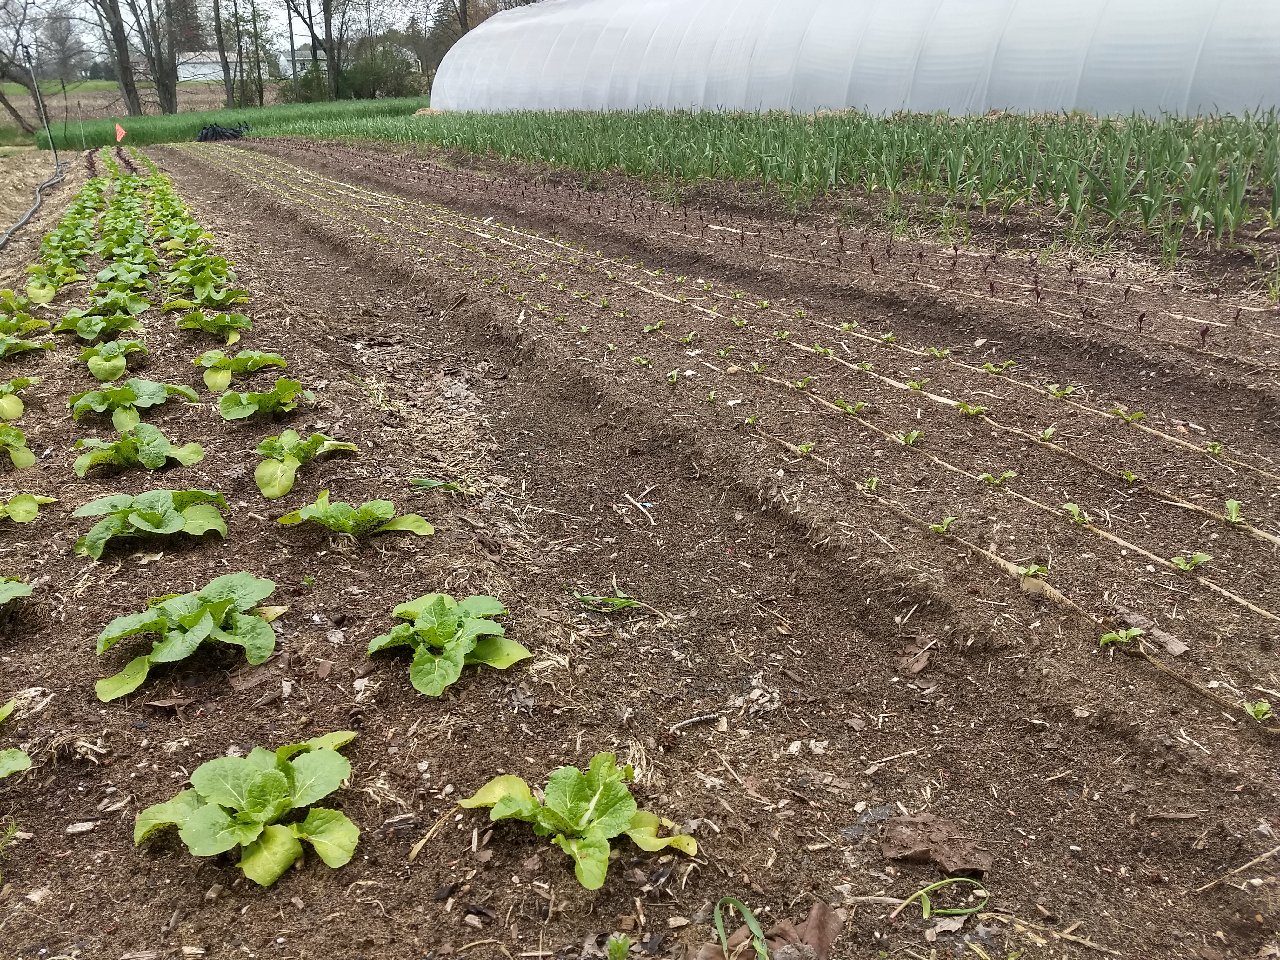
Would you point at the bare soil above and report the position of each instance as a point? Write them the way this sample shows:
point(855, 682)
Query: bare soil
point(657, 399)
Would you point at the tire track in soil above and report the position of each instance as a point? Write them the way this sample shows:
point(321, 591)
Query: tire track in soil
point(1030, 686)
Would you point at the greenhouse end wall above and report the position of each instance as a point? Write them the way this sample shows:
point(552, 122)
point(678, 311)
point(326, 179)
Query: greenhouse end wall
point(880, 56)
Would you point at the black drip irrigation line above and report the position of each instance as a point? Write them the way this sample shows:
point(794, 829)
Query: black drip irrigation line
point(58, 172)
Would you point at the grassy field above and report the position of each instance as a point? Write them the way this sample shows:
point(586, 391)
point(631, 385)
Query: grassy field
point(264, 121)
point(1162, 176)
point(10, 89)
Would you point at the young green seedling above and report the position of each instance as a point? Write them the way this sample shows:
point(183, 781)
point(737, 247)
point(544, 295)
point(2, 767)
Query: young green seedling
point(1076, 513)
point(155, 513)
point(257, 802)
point(937, 353)
point(141, 446)
point(1033, 570)
point(11, 405)
point(854, 408)
point(997, 369)
point(284, 397)
point(1121, 637)
point(1189, 563)
point(909, 439)
point(1260, 710)
point(997, 481)
point(23, 507)
point(1126, 415)
point(14, 443)
point(285, 454)
point(971, 409)
point(1234, 513)
point(581, 812)
point(369, 518)
point(1129, 476)
point(917, 384)
point(944, 526)
point(109, 360)
point(447, 634)
point(870, 484)
point(615, 603)
point(1047, 434)
point(1214, 447)
point(220, 612)
point(124, 400)
point(1059, 391)
point(220, 368)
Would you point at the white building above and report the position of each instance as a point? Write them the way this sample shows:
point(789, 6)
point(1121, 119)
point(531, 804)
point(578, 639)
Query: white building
point(202, 65)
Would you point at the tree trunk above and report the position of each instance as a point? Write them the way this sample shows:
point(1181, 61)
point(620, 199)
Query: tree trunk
point(240, 77)
point(257, 51)
point(221, 39)
point(293, 50)
point(18, 118)
point(330, 51)
point(112, 22)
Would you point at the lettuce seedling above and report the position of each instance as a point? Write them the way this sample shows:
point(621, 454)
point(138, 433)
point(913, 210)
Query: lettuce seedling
point(142, 446)
point(14, 442)
point(1120, 637)
point(219, 612)
point(242, 801)
point(616, 603)
point(125, 399)
point(11, 405)
point(1234, 513)
point(581, 812)
point(282, 398)
point(93, 327)
point(943, 526)
point(1260, 710)
point(285, 454)
point(11, 589)
point(227, 325)
point(1076, 513)
point(155, 513)
point(971, 409)
point(1187, 564)
point(12, 760)
point(447, 634)
point(21, 324)
point(909, 439)
point(23, 507)
point(11, 346)
point(997, 481)
point(219, 368)
point(372, 516)
point(108, 360)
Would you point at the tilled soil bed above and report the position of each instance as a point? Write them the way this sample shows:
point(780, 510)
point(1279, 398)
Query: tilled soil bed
point(712, 411)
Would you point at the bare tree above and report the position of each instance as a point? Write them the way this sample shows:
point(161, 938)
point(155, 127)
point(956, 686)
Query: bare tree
point(157, 31)
point(15, 22)
point(62, 48)
point(220, 39)
point(116, 38)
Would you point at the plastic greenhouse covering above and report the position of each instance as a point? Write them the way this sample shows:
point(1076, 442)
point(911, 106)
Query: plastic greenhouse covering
point(958, 56)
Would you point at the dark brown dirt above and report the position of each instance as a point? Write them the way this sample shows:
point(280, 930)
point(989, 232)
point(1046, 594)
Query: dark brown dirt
point(846, 663)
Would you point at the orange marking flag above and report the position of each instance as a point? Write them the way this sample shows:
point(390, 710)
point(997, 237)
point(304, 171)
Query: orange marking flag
point(120, 132)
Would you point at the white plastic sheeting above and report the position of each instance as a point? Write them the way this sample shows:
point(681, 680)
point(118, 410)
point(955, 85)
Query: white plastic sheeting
point(959, 56)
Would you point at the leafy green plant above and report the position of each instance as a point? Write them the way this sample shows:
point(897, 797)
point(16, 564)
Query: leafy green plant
point(254, 803)
point(370, 517)
point(1189, 563)
point(917, 384)
point(220, 612)
point(615, 603)
point(124, 400)
point(285, 454)
point(220, 368)
point(1047, 434)
point(23, 507)
point(11, 346)
point(854, 408)
point(617, 947)
point(1234, 513)
point(226, 325)
point(1076, 513)
point(108, 360)
point(759, 943)
point(1260, 710)
point(1002, 367)
point(281, 398)
point(12, 760)
point(141, 446)
point(92, 327)
point(155, 513)
point(870, 484)
point(11, 405)
point(944, 526)
point(909, 439)
point(1059, 391)
point(997, 481)
point(1129, 476)
point(1120, 636)
point(1033, 570)
point(1213, 446)
point(14, 442)
point(581, 812)
point(1127, 416)
point(447, 634)
point(11, 589)
point(971, 409)
point(938, 353)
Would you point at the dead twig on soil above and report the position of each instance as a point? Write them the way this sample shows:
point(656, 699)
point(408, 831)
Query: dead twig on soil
point(1037, 930)
point(1240, 869)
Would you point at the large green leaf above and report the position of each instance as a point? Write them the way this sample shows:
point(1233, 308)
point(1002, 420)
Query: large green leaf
point(497, 652)
point(268, 796)
point(644, 830)
point(275, 478)
point(11, 406)
point(201, 518)
point(125, 682)
point(252, 633)
point(172, 813)
point(596, 801)
point(331, 834)
point(508, 790)
point(24, 507)
point(266, 859)
point(316, 774)
point(13, 761)
point(225, 781)
point(432, 672)
point(133, 624)
point(210, 830)
point(590, 857)
point(408, 523)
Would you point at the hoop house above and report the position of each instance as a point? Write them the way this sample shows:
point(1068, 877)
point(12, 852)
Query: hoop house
point(958, 56)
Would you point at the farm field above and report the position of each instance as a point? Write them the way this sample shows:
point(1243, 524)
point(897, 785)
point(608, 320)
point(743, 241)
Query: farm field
point(879, 500)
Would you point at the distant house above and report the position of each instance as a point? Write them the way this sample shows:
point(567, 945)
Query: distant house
point(201, 65)
point(302, 62)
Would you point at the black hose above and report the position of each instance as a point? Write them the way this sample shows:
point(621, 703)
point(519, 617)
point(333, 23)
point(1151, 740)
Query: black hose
point(57, 178)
